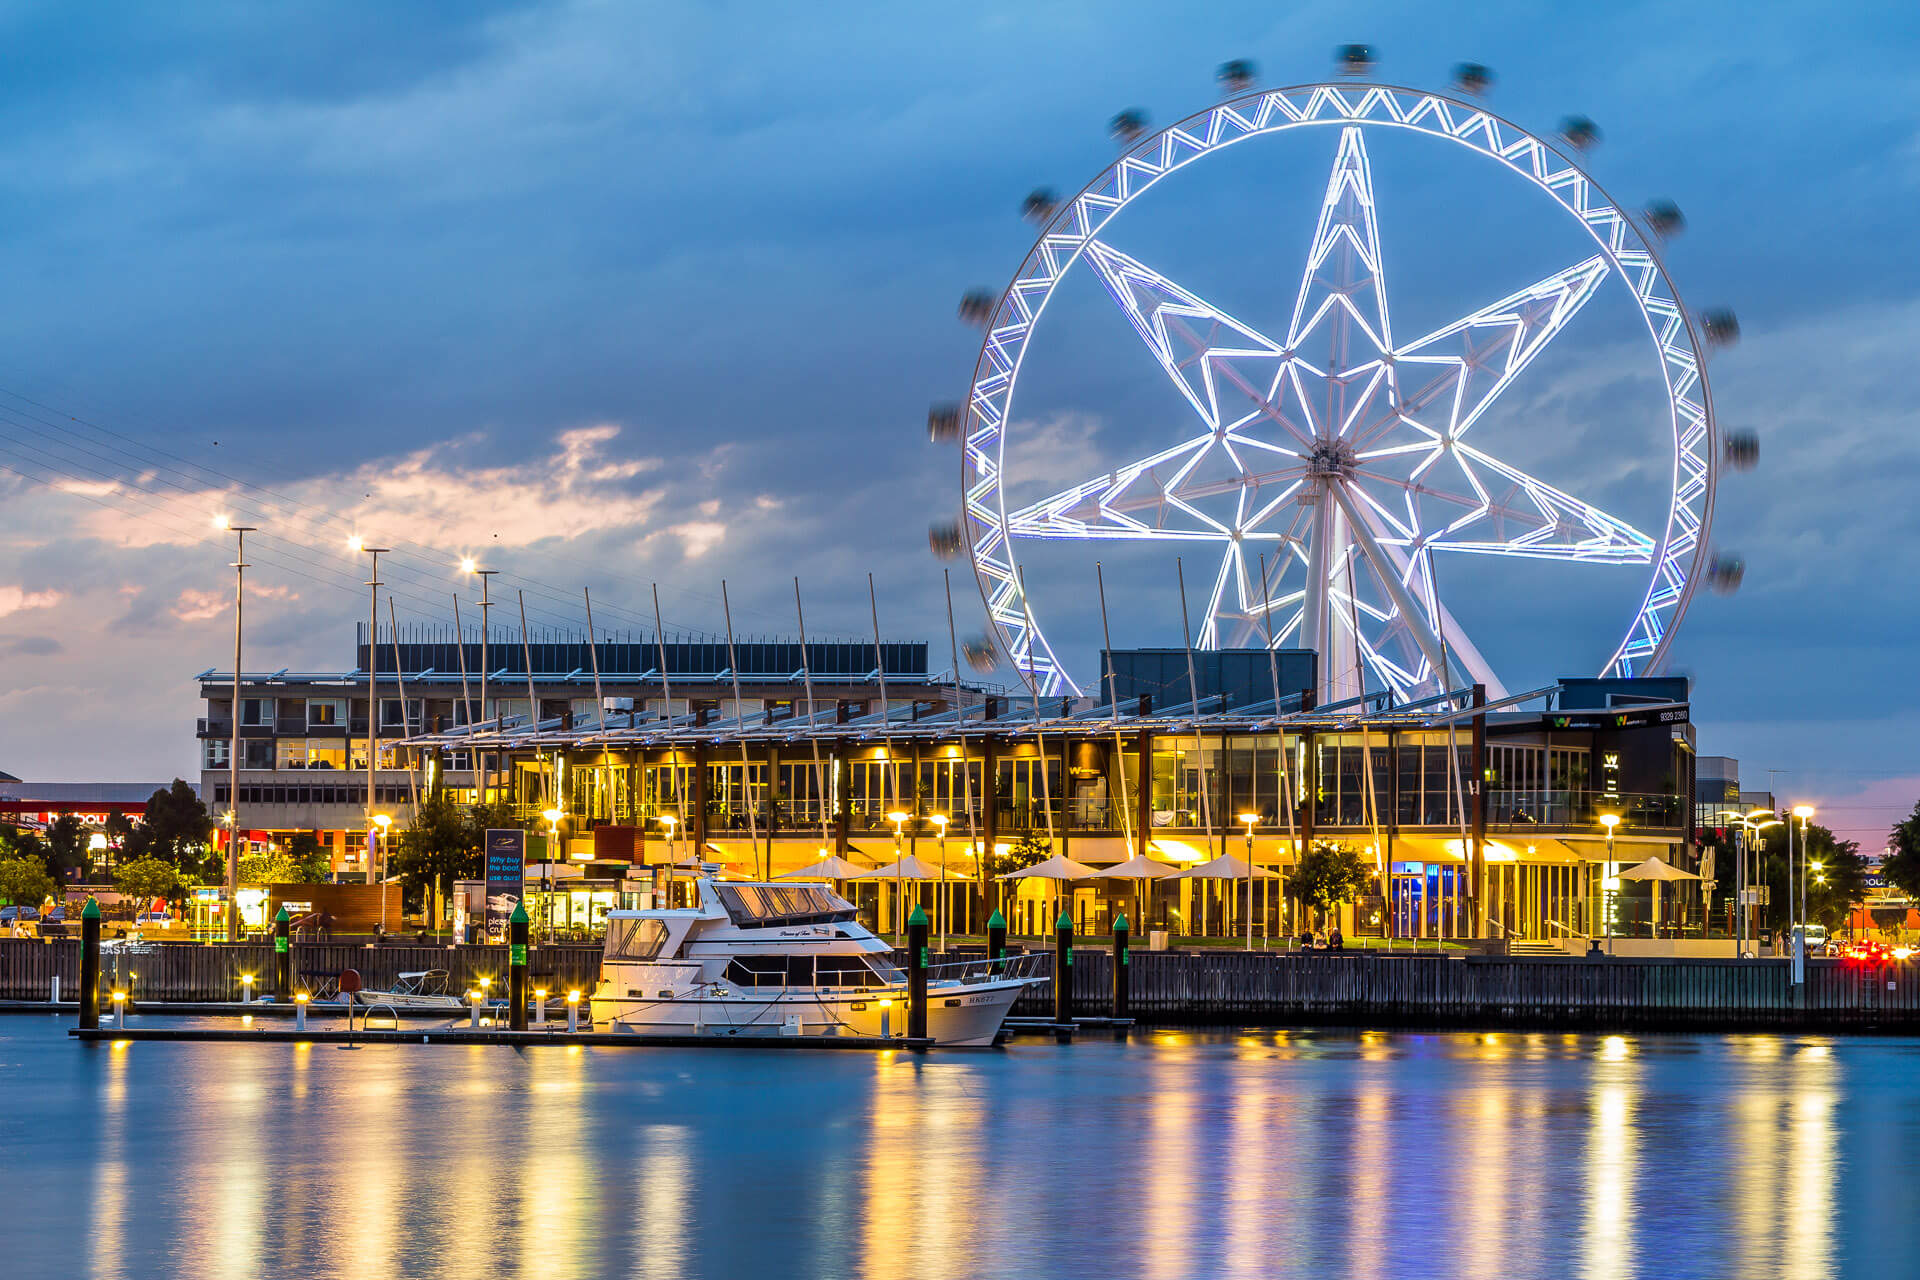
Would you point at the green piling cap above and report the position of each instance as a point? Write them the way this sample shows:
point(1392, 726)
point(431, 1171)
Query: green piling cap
point(918, 916)
point(1065, 921)
point(519, 915)
point(91, 911)
point(1120, 922)
point(282, 917)
point(996, 920)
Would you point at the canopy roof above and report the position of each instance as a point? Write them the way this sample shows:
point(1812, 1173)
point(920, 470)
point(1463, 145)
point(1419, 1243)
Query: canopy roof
point(1138, 867)
point(1224, 867)
point(908, 868)
point(1654, 869)
point(831, 867)
point(1058, 867)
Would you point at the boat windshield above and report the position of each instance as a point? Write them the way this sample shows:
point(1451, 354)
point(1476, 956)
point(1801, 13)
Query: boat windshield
point(762, 906)
point(630, 939)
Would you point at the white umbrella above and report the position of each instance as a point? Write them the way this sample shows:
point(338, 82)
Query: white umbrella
point(1058, 867)
point(1658, 872)
point(1224, 867)
point(1139, 867)
point(907, 868)
point(831, 867)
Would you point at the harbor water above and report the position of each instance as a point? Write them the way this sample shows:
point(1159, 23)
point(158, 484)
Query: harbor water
point(1167, 1154)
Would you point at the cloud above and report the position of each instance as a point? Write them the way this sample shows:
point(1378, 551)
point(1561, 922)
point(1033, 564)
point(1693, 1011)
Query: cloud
point(699, 536)
point(19, 599)
point(31, 646)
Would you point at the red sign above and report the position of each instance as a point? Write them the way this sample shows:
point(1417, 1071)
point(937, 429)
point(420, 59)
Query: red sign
point(349, 981)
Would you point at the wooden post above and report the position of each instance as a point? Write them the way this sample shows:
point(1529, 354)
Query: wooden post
point(517, 967)
point(90, 965)
point(1063, 968)
point(1122, 974)
point(917, 974)
point(283, 955)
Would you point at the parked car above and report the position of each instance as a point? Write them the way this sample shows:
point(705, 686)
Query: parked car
point(24, 914)
point(160, 918)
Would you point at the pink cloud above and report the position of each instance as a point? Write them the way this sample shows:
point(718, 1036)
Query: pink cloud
point(19, 599)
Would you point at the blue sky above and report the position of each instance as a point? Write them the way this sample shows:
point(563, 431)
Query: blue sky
point(618, 293)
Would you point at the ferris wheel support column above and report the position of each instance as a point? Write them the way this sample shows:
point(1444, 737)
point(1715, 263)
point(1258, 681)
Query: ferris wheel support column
point(1314, 628)
point(1416, 618)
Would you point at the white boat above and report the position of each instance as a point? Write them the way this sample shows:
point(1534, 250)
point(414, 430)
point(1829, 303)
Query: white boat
point(783, 959)
point(422, 989)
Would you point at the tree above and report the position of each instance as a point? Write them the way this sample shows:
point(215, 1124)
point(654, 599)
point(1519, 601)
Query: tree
point(445, 842)
point(1835, 875)
point(176, 828)
point(24, 881)
point(66, 847)
point(145, 879)
point(312, 864)
point(1328, 875)
point(1902, 867)
point(1029, 850)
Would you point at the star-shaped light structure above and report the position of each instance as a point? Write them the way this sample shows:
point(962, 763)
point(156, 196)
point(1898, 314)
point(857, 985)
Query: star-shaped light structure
point(1330, 464)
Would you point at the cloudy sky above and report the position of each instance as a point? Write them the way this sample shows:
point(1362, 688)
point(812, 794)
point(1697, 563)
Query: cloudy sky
point(610, 294)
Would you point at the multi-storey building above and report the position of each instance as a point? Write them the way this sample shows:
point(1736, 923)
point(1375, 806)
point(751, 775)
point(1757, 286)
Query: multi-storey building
point(304, 736)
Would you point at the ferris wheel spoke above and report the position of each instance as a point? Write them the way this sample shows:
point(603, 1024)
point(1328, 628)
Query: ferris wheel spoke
point(1168, 318)
point(1479, 355)
point(1344, 284)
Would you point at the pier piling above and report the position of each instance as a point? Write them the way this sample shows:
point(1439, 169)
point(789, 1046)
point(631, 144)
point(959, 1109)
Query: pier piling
point(1063, 969)
point(917, 974)
point(517, 968)
point(283, 955)
point(996, 935)
point(90, 965)
point(1122, 968)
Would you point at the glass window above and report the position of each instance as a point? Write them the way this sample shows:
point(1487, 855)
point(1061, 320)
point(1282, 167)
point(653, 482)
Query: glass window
point(256, 711)
point(630, 939)
point(291, 753)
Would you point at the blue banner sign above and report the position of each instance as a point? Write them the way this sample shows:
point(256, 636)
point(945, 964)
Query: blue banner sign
point(506, 877)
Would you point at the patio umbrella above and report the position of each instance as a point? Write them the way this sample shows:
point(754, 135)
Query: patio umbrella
point(1142, 870)
point(1058, 867)
point(907, 868)
point(1656, 871)
point(831, 867)
point(1226, 867)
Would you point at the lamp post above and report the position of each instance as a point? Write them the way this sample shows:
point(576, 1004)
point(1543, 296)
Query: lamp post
point(358, 544)
point(240, 532)
point(1802, 812)
point(1609, 821)
point(939, 821)
point(380, 823)
point(553, 817)
point(898, 819)
point(667, 820)
point(1250, 819)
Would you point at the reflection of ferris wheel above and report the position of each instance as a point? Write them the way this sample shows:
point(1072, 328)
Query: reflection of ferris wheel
point(1322, 466)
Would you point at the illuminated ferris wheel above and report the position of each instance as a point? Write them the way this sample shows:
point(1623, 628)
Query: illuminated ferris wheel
point(1320, 465)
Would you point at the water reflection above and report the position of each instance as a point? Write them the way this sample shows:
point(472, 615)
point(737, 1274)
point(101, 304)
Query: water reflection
point(1176, 1154)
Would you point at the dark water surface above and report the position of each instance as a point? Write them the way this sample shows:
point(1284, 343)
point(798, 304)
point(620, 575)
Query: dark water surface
point(1171, 1155)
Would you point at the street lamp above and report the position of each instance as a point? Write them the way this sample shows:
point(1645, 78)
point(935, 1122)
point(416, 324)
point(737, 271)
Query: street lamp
point(240, 532)
point(898, 819)
point(1609, 821)
point(1802, 812)
point(667, 820)
point(1250, 819)
point(939, 821)
point(357, 544)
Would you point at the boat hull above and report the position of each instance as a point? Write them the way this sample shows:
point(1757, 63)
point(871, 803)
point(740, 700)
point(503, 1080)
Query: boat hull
point(957, 1015)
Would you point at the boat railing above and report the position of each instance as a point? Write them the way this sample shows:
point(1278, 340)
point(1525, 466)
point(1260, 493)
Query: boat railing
point(1031, 965)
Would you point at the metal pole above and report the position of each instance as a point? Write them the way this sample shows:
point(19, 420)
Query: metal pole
point(533, 699)
point(739, 716)
point(1113, 702)
point(1286, 770)
point(1039, 739)
point(486, 628)
point(966, 765)
point(806, 671)
point(373, 707)
point(406, 725)
point(460, 647)
point(1193, 692)
point(666, 695)
point(233, 747)
point(593, 656)
point(893, 765)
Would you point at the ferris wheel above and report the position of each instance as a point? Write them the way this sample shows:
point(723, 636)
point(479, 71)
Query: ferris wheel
point(1322, 464)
